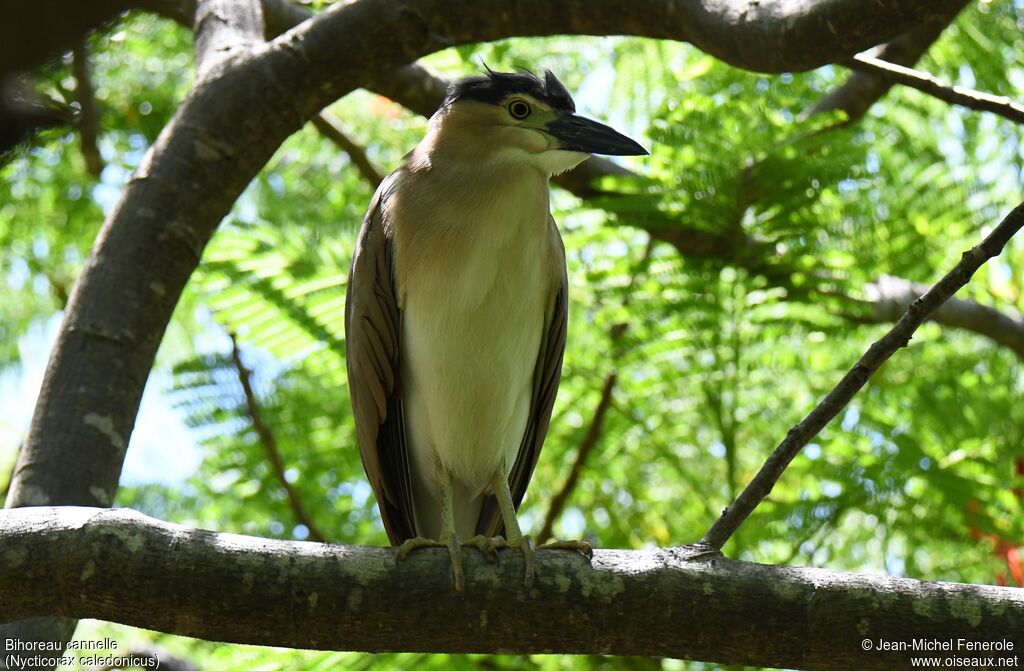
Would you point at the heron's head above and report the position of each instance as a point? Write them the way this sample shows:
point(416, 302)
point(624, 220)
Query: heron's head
point(519, 117)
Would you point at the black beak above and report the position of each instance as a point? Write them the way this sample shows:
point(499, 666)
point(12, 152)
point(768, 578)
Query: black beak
point(576, 133)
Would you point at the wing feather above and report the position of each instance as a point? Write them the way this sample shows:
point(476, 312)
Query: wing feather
point(372, 327)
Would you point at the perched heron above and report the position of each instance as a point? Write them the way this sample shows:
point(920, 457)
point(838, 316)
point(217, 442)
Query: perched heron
point(456, 314)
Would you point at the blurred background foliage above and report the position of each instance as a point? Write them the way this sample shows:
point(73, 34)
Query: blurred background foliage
point(714, 357)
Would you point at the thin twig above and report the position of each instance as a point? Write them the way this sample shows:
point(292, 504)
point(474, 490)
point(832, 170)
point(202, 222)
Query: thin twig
point(270, 444)
point(590, 440)
point(332, 130)
point(957, 95)
point(88, 116)
point(897, 337)
point(593, 434)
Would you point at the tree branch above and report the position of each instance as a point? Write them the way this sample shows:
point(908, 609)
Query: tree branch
point(223, 28)
point(331, 129)
point(88, 115)
point(269, 443)
point(897, 337)
point(122, 566)
point(889, 296)
point(864, 89)
point(957, 95)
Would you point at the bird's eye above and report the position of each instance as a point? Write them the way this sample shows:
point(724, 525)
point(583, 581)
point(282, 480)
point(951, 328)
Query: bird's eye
point(519, 109)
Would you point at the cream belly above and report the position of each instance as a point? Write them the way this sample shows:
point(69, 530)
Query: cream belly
point(467, 377)
point(471, 335)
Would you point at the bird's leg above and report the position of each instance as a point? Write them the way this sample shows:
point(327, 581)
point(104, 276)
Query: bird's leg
point(448, 538)
point(516, 539)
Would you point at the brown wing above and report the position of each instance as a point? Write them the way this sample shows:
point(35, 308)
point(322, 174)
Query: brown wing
point(372, 327)
point(546, 376)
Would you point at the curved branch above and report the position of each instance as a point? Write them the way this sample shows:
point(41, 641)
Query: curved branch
point(897, 337)
point(122, 566)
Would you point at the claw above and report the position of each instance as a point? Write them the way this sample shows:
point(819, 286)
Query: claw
point(455, 553)
point(525, 546)
point(529, 559)
point(583, 547)
point(450, 542)
point(488, 547)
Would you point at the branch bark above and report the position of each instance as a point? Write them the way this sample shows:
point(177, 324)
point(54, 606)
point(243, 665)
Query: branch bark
point(897, 337)
point(224, 29)
point(121, 566)
point(864, 89)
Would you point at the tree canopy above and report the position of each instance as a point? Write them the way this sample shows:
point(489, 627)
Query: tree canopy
point(792, 207)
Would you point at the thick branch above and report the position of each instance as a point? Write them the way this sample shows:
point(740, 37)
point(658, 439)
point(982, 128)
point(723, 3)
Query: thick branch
point(269, 444)
point(223, 28)
point(897, 337)
point(864, 89)
point(957, 95)
point(121, 566)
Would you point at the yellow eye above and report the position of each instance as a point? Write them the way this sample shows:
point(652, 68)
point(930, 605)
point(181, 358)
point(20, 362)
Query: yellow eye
point(519, 109)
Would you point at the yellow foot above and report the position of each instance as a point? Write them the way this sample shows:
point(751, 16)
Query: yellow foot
point(583, 547)
point(487, 546)
point(525, 545)
point(449, 541)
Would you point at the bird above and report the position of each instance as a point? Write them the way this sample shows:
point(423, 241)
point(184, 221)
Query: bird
point(456, 314)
